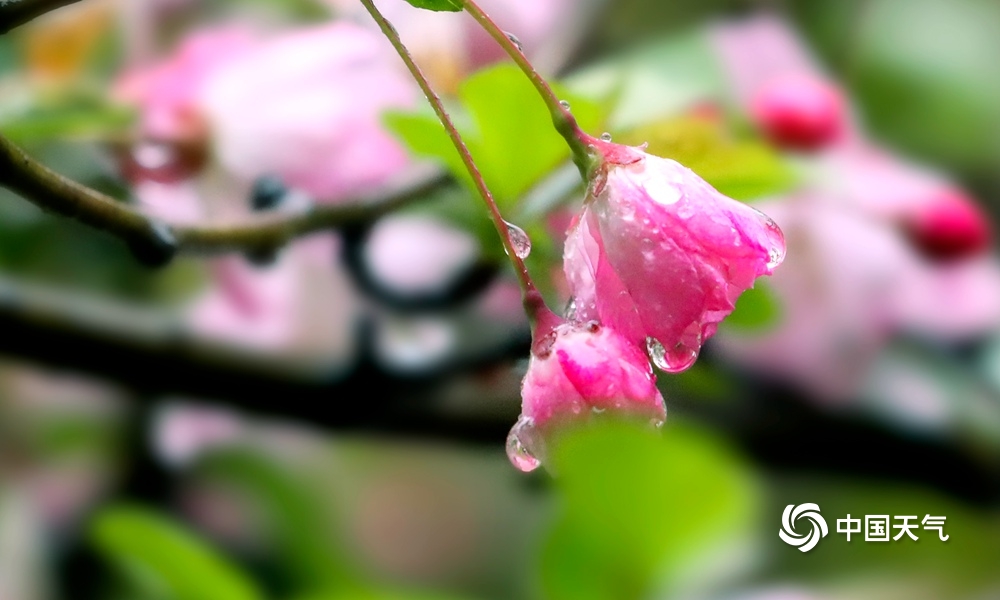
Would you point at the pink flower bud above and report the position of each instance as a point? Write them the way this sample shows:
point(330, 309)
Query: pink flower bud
point(578, 370)
point(660, 256)
point(799, 112)
point(948, 228)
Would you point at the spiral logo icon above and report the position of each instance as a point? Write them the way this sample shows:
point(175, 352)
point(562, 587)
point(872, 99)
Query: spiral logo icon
point(804, 541)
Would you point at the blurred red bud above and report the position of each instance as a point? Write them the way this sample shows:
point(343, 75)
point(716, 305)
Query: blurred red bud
point(949, 228)
point(798, 112)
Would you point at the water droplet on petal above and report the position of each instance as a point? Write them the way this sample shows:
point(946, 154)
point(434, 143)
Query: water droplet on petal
point(605, 137)
point(564, 104)
point(570, 312)
point(674, 360)
point(775, 240)
point(513, 38)
point(657, 353)
point(519, 443)
point(520, 240)
point(598, 410)
point(656, 422)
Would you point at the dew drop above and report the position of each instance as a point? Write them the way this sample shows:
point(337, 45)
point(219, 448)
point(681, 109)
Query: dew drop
point(674, 360)
point(656, 422)
point(775, 240)
point(513, 38)
point(570, 312)
point(598, 410)
point(564, 104)
point(520, 240)
point(519, 445)
point(605, 137)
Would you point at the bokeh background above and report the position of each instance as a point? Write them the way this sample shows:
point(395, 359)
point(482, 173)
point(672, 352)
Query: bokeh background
point(327, 420)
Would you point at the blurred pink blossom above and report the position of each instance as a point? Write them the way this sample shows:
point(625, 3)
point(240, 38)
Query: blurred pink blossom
point(836, 290)
point(661, 256)
point(416, 254)
point(777, 81)
point(877, 245)
point(303, 105)
point(850, 282)
point(167, 92)
point(306, 106)
point(302, 305)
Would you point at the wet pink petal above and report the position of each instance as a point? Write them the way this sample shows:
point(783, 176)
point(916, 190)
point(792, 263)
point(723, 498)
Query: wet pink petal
point(661, 256)
point(589, 368)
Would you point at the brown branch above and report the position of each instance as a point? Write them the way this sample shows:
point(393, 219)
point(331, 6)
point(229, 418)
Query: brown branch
point(157, 241)
point(18, 12)
point(153, 354)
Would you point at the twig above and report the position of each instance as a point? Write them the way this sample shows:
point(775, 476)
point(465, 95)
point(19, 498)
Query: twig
point(15, 13)
point(57, 194)
point(534, 304)
point(563, 120)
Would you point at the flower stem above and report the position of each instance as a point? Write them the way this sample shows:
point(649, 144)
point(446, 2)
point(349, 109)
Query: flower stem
point(562, 118)
point(533, 301)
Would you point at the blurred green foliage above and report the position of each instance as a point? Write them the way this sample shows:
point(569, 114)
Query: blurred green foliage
point(638, 507)
point(438, 5)
point(162, 560)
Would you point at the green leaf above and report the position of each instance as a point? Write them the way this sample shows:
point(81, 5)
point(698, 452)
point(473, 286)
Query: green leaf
point(505, 125)
point(438, 5)
point(92, 121)
point(756, 309)
point(740, 169)
point(164, 560)
point(425, 136)
point(638, 507)
point(518, 141)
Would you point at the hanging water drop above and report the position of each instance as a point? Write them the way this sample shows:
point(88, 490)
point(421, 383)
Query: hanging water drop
point(564, 104)
point(605, 137)
point(519, 240)
point(513, 38)
point(673, 360)
point(519, 443)
point(657, 353)
point(775, 240)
